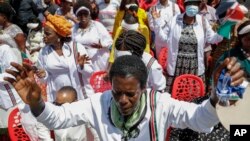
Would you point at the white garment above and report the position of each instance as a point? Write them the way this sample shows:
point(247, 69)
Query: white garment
point(77, 133)
point(62, 70)
point(95, 111)
point(209, 14)
point(167, 13)
point(96, 33)
point(171, 37)
point(8, 94)
point(7, 56)
point(156, 79)
point(35, 39)
point(13, 30)
point(34, 129)
point(107, 13)
point(59, 12)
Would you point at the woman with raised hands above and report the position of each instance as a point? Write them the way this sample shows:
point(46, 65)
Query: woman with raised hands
point(63, 62)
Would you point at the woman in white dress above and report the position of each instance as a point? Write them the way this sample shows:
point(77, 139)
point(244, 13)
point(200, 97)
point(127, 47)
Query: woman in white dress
point(62, 62)
point(93, 35)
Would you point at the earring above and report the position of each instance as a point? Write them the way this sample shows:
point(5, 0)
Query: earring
point(58, 40)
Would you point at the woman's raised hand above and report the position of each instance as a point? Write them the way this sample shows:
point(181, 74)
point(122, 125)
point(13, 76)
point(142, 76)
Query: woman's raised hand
point(155, 14)
point(82, 59)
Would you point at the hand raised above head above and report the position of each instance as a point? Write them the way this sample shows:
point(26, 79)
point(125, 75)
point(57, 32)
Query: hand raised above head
point(25, 83)
point(155, 14)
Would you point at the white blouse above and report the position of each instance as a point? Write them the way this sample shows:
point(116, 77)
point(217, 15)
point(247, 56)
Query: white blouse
point(96, 33)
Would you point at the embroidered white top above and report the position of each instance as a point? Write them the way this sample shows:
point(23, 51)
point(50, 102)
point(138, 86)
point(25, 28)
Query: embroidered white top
point(62, 70)
point(96, 33)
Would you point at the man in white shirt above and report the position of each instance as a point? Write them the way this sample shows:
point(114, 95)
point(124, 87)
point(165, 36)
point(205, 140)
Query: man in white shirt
point(68, 94)
point(167, 10)
point(128, 111)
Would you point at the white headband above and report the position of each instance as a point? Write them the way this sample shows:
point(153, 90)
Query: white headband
point(82, 8)
point(129, 26)
point(244, 30)
point(128, 5)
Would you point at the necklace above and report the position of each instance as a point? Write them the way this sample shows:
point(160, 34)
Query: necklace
point(246, 54)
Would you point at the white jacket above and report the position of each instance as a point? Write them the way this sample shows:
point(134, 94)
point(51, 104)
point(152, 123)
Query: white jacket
point(156, 79)
point(172, 33)
point(95, 111)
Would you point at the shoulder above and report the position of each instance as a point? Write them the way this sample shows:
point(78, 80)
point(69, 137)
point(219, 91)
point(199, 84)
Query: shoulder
point(160, 98)
point(141, 12)
point(45, 50)
point(103, 98)
point(5, 48)
point(16, 28)
point(98, 24)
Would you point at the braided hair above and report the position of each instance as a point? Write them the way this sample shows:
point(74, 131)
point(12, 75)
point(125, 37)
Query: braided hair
point(131, 40)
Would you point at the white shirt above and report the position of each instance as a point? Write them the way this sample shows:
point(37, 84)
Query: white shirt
point(166, 14)
point(107, 13)
point(62, 70)
point(95, 111)
point(59, 12)
point(156, 79)
point(77, 133)
point(171, 33)
point(96, 33)
point(7, 55)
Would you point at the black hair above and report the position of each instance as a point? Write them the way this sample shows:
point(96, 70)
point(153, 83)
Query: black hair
point(124, 2)
point(68, 89)
point(130, 19)
point(131, 40)
point(36, 20)
point(129, 65)
point(80, 3)
point(7, 10)
point(192, 2)
point(244, 24)
point(95, 11)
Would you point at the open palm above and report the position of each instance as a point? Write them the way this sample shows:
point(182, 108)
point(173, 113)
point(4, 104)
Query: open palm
point(25, 83)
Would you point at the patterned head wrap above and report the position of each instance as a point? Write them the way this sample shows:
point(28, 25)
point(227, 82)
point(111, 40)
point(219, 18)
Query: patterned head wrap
point(59, 24)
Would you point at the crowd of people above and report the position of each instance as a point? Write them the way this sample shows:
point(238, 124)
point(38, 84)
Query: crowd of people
point(51, 48)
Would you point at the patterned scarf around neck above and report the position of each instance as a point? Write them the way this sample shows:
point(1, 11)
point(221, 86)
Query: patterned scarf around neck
point(129, 127)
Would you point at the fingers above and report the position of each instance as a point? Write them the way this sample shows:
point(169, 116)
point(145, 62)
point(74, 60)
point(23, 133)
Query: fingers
point(233, 70)
point(10, 80)
point(237, 78)
point(17, 66)
point(231, 62)
point(41, 73)
point(12, 72)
